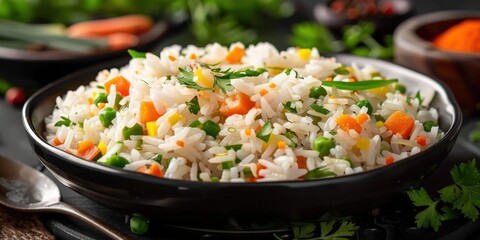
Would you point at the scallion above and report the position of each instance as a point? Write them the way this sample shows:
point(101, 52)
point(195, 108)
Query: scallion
point(265, 132)
point(319, 109)
point(360, 85)
point(211, 128)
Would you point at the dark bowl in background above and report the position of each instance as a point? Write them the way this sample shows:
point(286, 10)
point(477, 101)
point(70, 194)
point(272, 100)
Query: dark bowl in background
point(460, 71)
point(238, 206)
point(33, 69)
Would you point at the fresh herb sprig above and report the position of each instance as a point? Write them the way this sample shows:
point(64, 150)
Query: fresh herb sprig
point(360, 85)
point(222, 79)
point(462, 196)
point(327, 230)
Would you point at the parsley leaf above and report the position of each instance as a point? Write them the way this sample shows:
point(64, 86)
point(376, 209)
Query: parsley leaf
point(319, 109)
point(64, 122)
point(185, 77)
point(346, 230)
point(193, 105)
point(464, 194)
point(429, 217)
point(304, 231)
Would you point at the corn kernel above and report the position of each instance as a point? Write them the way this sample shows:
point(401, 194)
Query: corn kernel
point(202, 80)
point(380, 90)
point(103, 147)
point(379, 124)
point(363, 143)
point(271, 140)
point(304, 53)
point(272, 85)
point(175, 118)
point(152, 128)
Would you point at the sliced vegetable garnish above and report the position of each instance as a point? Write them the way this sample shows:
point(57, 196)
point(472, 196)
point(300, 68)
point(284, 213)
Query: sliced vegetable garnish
point(317, 92)
point(289, 70)
point(157, 158)
point(427, 126)
point(360, 85)
point(64, 122)
point(235, 147)
point(193, 105)
point(319, 109)
point(264, 133)
point(290, 106)
point(291, 136)
point(247, 172)
point(320, 172)
point(195, 123)
point(136, 54)
point(341, 70)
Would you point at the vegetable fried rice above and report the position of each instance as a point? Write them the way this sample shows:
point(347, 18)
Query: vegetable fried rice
point(243, 114)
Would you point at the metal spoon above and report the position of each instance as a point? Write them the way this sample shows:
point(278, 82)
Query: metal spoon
point(25, 189)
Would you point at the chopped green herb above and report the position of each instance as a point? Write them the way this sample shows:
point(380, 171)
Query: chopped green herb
point(100, 87)
point(64, 122)
point(235, 147)
point(215, 179)
point(231, 129)
point(185, 77)
point(341, 70)
point(319, 109)
point(291, 137)
point(400, 88)
point(136, 54)
point(289, 70)
point(429, 217)
point(193, 105)
point(247, 172)
point(379, 117)
point(138, 145)
point(427, 126)
point(265, 132)
point(317, 92)
point(195, 123)
point(157, 158)
point(317, 173)
point(360, 85)
point(291, 107)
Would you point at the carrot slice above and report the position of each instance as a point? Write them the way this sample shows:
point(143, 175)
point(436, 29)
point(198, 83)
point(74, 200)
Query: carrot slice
point(151, 169)
point(421, 140)
point(389, 160)
point(346, 122)
point(87, 150)
point(401, 123)
point(238, 103)
point(260, 167)
point(148, 112)
point(235, 55)
point(302, 162)
point(361, 118)
point(122, 85)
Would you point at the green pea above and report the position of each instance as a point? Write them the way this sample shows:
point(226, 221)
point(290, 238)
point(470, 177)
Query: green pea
point(227, 165)
point(116, 161)
point(323, 145)
point(101, 98)
point(317, 92)
point(400, 87)
point(136, 129)
point(106, 116)
point(138, 224)
point(211, 128)
point(427, 126)
point(365, 103)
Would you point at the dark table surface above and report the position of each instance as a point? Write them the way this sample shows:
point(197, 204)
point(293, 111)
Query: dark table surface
point(14, 143)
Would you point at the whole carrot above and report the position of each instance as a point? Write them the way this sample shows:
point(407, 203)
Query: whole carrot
point(133, 24)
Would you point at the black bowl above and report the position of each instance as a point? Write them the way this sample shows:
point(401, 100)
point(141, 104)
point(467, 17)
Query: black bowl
point(33, 69)
point(238, 205)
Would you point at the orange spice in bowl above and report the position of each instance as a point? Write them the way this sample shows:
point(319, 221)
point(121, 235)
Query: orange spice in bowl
point(462, 37)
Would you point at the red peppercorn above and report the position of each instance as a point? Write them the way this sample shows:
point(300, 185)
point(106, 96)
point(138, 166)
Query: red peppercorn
point(15, 96)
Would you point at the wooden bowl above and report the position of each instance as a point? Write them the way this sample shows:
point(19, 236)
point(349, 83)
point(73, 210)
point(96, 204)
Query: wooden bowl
point(460, 71)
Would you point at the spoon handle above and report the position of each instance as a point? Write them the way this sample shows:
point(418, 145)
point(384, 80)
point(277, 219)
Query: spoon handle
point(61, 207)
